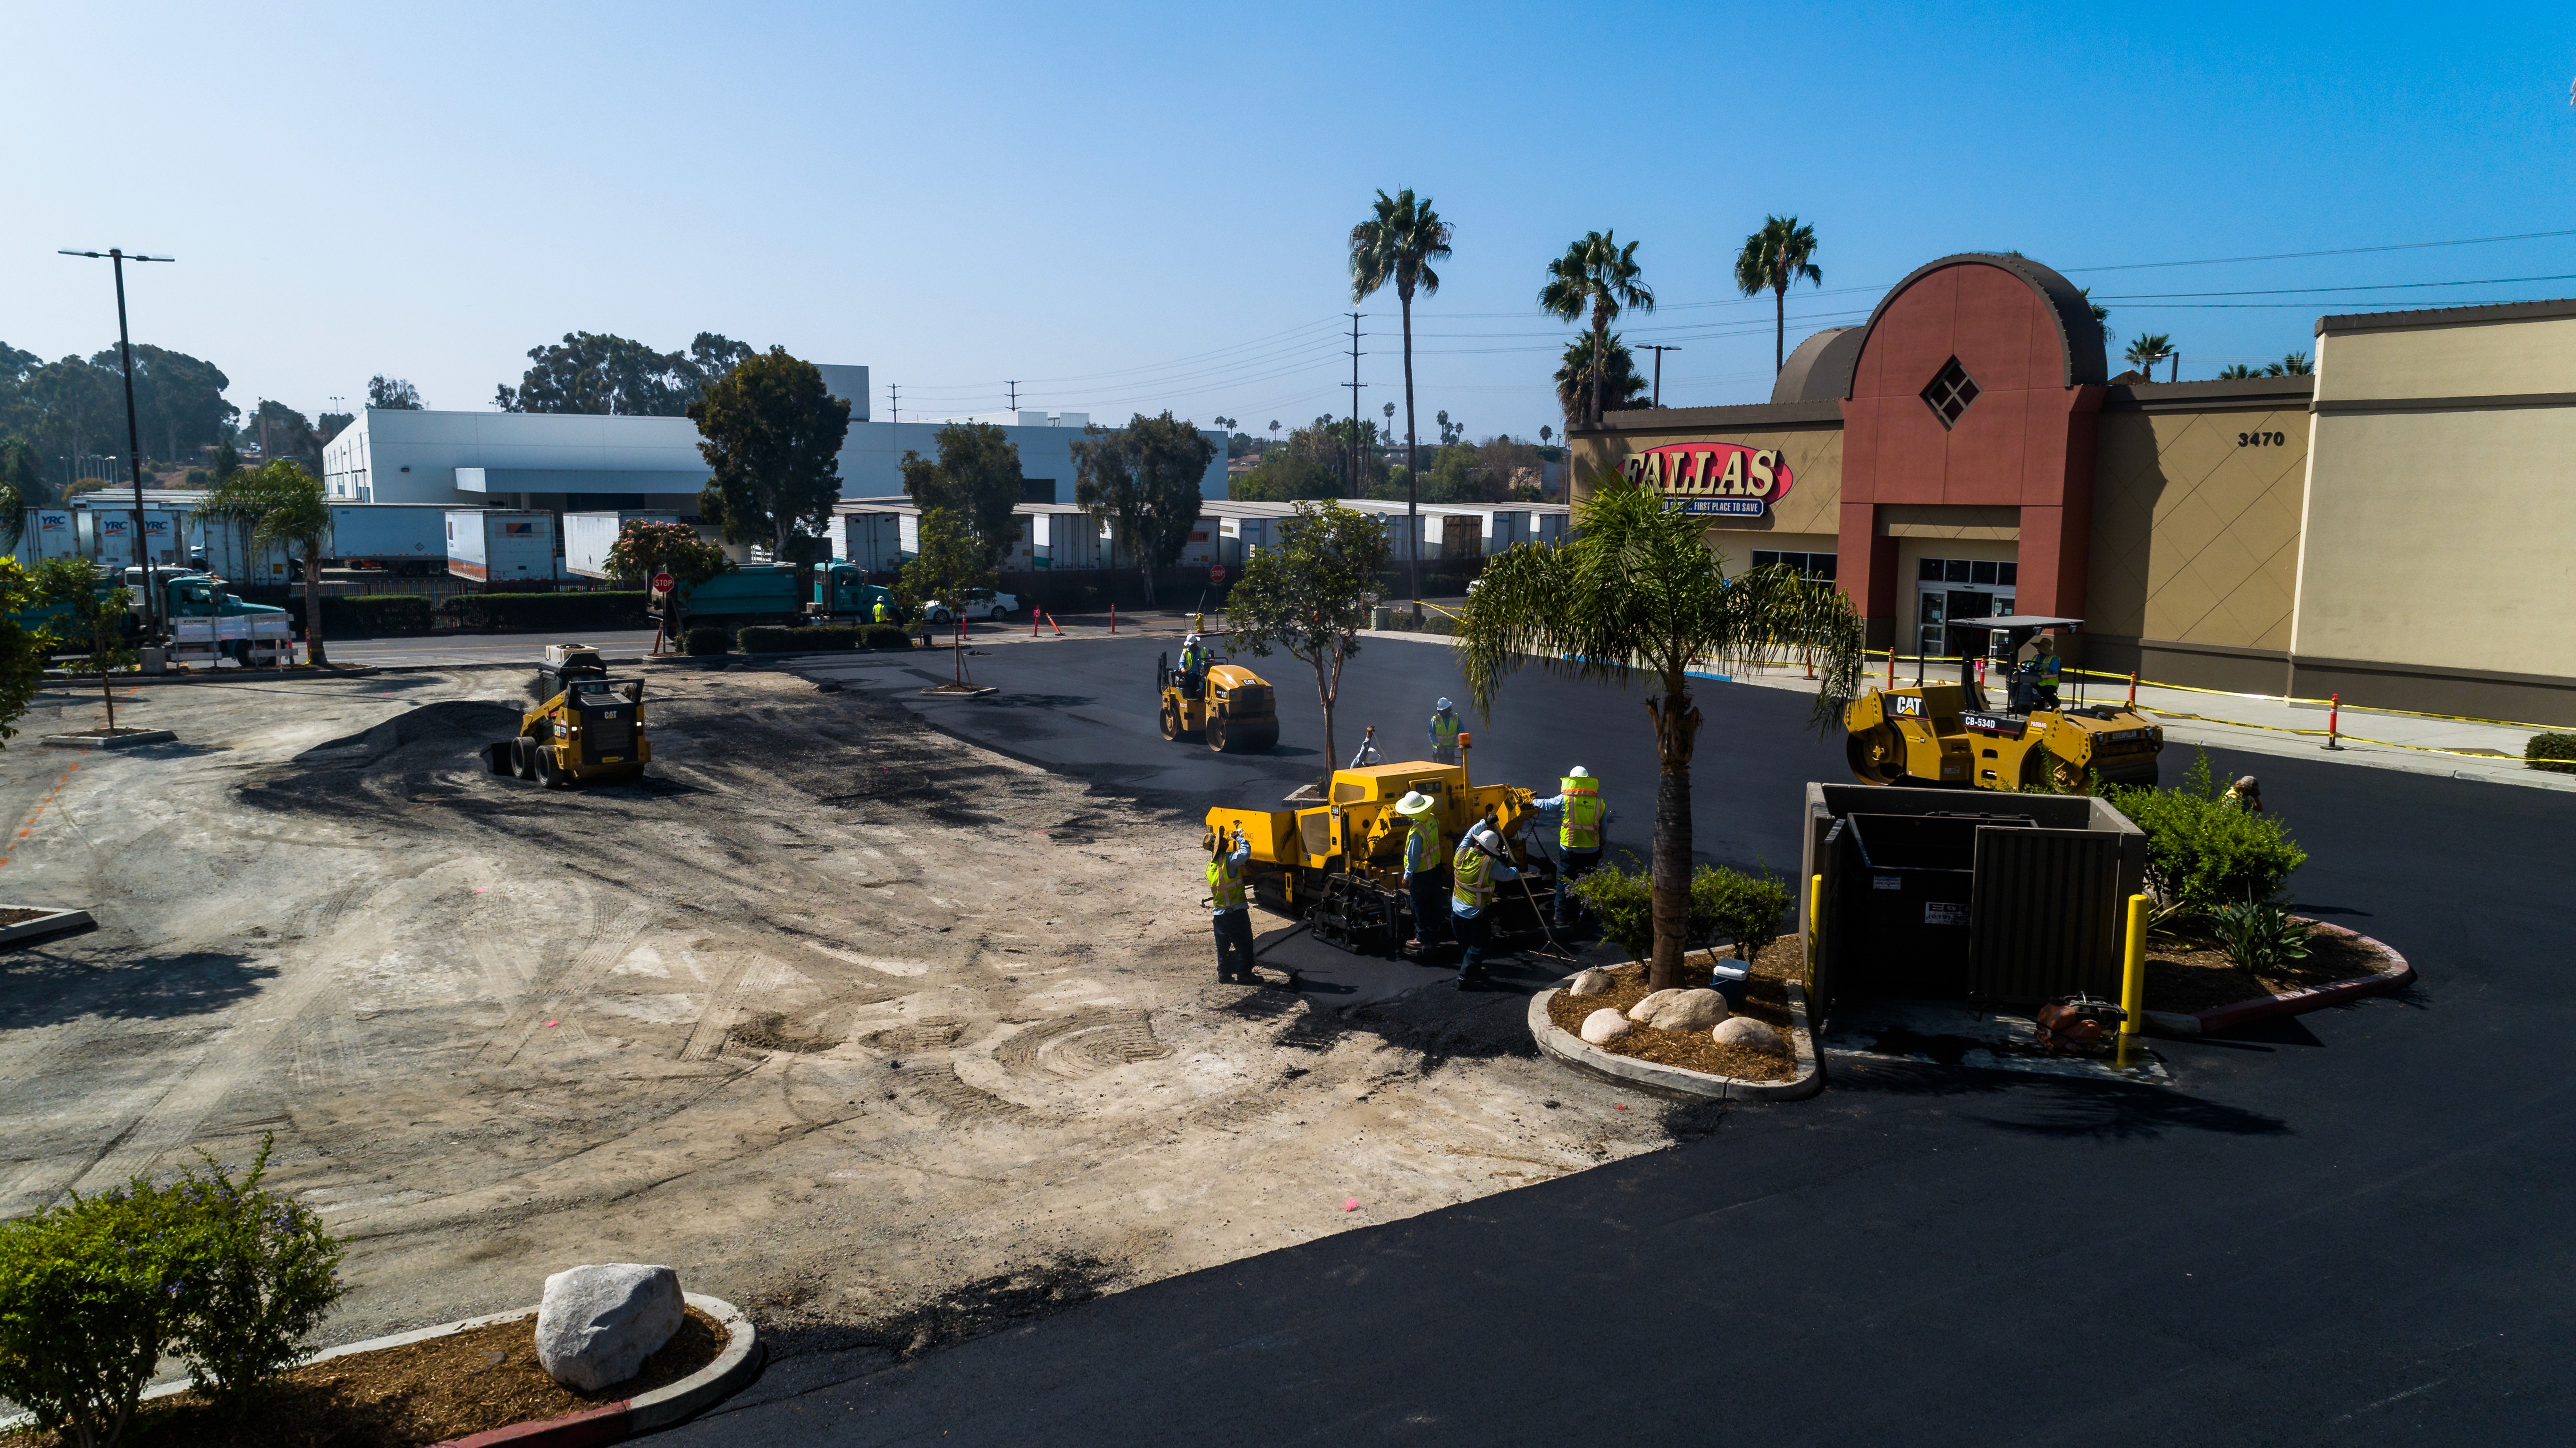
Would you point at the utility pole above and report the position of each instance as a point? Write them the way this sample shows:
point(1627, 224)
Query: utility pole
point(894, 411)
point(133, 441)
point(1355, 385)
point(1014, 385)
point(1659, 349)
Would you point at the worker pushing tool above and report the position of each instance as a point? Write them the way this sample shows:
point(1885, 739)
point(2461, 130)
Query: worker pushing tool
point(1423, 870)
point(1581, 814)
point(1481, 862)
point(1226, 894)
point(1444, 733)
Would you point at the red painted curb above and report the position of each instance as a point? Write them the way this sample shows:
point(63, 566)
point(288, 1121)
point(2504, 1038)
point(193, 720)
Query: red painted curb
point(2299, 1002)
point(603, 1424)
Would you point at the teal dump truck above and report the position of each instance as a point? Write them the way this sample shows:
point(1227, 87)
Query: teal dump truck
point(842, 594)
point(759, 593)
point(184, 595)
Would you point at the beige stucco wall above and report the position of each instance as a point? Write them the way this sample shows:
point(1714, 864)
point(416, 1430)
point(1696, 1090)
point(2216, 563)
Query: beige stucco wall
point(2195, 528)
point(2496, 359)
point(2441, 538)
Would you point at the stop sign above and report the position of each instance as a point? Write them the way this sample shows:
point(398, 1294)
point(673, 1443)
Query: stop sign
point(1217, 574)
point(661, 583)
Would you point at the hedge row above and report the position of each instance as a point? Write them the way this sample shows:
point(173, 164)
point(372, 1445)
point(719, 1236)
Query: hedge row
point(373, 615)
point(814, 638)
point(546, 611)
point(2552, 753)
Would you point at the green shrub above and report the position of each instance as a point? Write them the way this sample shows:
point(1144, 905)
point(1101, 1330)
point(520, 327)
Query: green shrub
point(547, 612)
point(372, 615)
point(85, 1307)
point(1623, 901)
point(699, 643)
point(2545, 749)
point(1724, 904)
point(2259, 936)
point(225, 1272)
point(2203, 852)
point(883, 636)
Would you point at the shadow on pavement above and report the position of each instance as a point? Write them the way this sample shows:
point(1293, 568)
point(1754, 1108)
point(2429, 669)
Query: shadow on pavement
point(44, 986)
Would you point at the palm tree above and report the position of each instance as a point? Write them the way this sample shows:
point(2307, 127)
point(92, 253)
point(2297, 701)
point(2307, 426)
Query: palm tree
point(1398, 243)
point(2295, 364)
point(1599, 275)
point(1774, 258)
point(2146, 350)
point(2237, 371)
point(1638, 593)
point(1620, 386)
point(284, 506)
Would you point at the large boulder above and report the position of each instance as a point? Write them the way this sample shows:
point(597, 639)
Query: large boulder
point(1593, 982)
point(597, 1324)
point(1604, 1026)
point(1679, 1010)
point(1746, 1031)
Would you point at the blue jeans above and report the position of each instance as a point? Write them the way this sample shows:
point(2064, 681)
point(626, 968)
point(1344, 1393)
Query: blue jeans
point(1234, 944)
point(1578, 863)
point(1472, 932)
point(1430, 908)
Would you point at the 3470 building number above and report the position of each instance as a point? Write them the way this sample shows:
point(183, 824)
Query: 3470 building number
point(2261, 439)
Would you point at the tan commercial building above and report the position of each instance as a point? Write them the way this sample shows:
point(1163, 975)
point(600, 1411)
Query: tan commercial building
point(2385, 529)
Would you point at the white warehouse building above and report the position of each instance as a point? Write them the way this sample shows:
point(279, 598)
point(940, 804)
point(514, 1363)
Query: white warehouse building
point(585, 461)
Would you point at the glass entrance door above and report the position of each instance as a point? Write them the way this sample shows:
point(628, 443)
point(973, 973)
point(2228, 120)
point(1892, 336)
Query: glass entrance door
point(1947, 619)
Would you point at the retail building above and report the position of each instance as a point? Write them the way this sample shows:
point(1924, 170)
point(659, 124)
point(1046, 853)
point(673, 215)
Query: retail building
point(2389, 529)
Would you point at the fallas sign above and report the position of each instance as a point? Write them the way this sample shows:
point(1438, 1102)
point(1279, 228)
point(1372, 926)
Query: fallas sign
point(1724, 478)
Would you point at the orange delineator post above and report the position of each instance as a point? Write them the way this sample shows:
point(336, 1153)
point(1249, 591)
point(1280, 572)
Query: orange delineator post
point(2133, 688)
point(1034, 615)
point(1113, 618)
point(1891, 666)
point(2334, 721)
point(1059, 628)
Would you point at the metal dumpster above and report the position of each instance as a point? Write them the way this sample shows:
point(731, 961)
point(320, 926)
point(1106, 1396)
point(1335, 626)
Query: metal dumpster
point(1914, 880)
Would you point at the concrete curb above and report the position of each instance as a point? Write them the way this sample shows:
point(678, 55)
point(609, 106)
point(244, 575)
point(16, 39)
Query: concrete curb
point(2313, 998)
point(1675, 1081)
point(212, 676)
point(109, 741)
point(737, 1364)
point(55, 923)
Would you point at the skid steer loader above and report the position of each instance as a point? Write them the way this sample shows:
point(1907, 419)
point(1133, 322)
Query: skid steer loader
point(590, 731)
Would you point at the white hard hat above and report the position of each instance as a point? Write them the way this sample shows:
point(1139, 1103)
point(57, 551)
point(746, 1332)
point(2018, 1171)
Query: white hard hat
point(1578, 772)
point(1442, 706)
point(1414, 804)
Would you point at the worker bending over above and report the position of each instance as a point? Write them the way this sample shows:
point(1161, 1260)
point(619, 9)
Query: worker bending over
point(1225, 869)
point(1422, 867)
point(2246, 794)
point(1481, 863)
point(1444, 734)
point(1578, 836)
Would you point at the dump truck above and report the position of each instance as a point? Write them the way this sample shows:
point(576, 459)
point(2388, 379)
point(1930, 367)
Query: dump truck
point(761, 593)
point(184, 594)
point(592, 731)
point(1229, 707)
point(842, 594)
point(1953, 735)
point(1339, 865)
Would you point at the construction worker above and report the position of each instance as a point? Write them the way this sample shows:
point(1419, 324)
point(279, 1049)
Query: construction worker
point(2044, 672)
point(1233, 912)
point(1422, 868)
point(1480, 863)
point(1581, 814)
point(884, 612)
point(1194, 666)
point(1444, 734)
point(2246, 794)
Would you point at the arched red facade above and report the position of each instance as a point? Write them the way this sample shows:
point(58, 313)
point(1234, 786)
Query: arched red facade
point(2011, 425)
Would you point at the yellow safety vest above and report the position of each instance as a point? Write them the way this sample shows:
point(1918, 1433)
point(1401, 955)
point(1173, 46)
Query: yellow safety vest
point(1225, 882)
point(1444, 730)
point(883, 612)
point(1422, 846)
point(1582, 827)
point(2048, 671)
point(1472, 869)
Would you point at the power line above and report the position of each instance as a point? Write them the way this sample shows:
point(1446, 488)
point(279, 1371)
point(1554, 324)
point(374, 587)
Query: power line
point(2356, 287)
point(2338, 251)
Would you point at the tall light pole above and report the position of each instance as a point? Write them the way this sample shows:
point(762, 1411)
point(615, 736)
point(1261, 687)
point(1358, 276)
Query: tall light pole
point(133, 438)
point(1659, 350)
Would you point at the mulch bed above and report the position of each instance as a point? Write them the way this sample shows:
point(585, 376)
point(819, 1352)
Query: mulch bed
point(2190, 975)
point(407, 1397)
point(1766, 999)
point(20, 915)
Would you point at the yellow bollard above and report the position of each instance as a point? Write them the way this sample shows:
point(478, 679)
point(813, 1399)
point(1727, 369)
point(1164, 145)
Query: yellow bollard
point(1815, 929)
point(2133, 971)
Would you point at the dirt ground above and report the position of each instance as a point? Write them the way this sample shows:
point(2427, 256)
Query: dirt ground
point(850, 1022)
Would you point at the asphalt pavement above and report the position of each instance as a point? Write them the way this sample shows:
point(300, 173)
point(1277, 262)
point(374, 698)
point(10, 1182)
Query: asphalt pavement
point(2350, 1229)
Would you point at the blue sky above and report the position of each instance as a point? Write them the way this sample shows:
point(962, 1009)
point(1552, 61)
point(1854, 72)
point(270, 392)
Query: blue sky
point(1144, 206)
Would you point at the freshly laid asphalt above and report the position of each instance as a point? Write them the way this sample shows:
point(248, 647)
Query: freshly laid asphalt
point(2355, 1227)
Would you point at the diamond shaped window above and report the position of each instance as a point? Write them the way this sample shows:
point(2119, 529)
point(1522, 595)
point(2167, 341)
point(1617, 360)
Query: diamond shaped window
point(1949, 394)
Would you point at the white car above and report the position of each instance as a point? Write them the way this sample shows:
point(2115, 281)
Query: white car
point(981, 603)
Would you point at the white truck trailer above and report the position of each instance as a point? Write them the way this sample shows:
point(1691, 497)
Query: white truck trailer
point(496, 545)
point(589, 536)
point(397, 537)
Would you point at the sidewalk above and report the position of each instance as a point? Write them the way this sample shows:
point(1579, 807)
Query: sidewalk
point(2253, 723)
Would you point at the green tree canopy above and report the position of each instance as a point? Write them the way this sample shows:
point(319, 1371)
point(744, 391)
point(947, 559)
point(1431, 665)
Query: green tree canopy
point(1309, 594)
point(1774, 258)
point(1599, 277)
point(283, 506)
point(950, 562)
point(599, 372)
point(977, 477)
point(73, 407)
point(645, 547)
point(1637, 596)
point(91, 619)
point(1621, 387)
point(772, 434)
point(392, 393)
point(1144, 478)
point(2146, 350)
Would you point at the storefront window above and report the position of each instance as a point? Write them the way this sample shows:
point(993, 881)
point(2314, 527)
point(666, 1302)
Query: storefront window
point(1810, 565)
